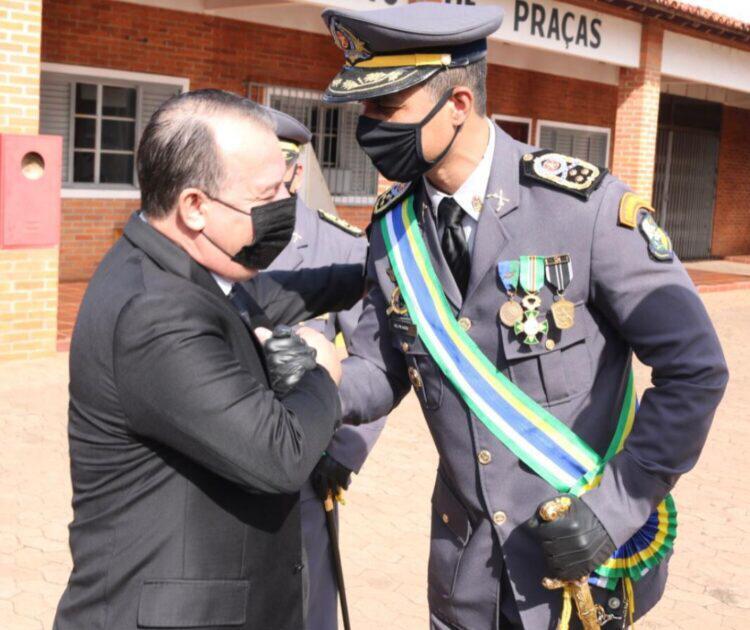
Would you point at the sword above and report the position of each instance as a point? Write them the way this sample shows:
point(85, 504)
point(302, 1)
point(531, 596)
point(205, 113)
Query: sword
point(333, 535)
point(588, 612)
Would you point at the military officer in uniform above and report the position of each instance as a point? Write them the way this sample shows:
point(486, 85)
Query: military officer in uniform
point(321, 239)
point(510, 287)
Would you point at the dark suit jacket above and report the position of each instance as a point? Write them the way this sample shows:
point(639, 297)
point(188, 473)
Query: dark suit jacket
point(185, 465)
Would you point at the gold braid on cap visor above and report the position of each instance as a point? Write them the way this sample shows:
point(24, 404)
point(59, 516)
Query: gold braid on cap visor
point(413, 60)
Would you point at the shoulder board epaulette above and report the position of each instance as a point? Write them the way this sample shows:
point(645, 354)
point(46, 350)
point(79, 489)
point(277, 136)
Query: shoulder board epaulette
point(570, 174)
point(391, 197)
point(340, 223)
point(630, 209)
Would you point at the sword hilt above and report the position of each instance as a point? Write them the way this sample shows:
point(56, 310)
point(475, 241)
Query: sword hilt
point(588, 612)
point(555, 509)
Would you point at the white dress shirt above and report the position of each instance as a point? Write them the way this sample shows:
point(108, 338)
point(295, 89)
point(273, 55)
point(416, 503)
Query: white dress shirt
point(474, 187)
point(224, 284)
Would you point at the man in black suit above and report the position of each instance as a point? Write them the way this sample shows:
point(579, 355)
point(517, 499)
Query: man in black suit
point(186, 464)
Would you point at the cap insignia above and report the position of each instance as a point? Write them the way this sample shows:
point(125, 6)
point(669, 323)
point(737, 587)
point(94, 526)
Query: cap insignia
point(354, 48)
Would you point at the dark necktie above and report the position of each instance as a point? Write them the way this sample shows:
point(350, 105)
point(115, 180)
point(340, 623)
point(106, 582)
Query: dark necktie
point(453, 242)
point(248, 308)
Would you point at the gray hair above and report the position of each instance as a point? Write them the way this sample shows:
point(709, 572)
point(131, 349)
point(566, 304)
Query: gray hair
point(473, 76)
point(178, 149)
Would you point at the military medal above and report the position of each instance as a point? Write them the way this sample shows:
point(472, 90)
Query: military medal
point(510, 312)
point(531, 278)
point(559, 272)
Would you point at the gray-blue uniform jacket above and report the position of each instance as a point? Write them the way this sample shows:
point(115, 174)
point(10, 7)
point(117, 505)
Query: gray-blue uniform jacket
point(317, 242)
point(484, 565)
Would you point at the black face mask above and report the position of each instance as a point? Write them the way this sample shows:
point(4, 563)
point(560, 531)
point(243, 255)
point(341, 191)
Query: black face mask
point(396, 148)
point(273, 224)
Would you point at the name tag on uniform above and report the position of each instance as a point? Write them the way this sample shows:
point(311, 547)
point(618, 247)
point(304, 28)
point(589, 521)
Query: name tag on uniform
point(403, 325)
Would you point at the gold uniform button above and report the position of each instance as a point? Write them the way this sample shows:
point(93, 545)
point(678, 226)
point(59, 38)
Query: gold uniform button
point(485, 457)
point(528, 157)
point(405, 347)
point(445, 518)
point(499, 517)
point(549, 344)
point(465, 323)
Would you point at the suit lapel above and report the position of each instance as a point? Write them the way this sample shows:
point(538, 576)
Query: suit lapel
point(174, 259)
point(501, 198)
point(429, 229)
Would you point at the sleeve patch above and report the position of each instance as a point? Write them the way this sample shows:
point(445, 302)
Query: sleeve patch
point(659, 244)
point(570, 174)
point(340, 223)
point(631, 206)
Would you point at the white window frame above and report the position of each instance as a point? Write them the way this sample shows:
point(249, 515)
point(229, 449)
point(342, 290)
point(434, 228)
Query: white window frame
point(575, 127)
point(317, 96)
point(116, 78)
point(518, 119)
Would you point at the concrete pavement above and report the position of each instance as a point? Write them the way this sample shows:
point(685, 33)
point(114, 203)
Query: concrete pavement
point(385, 524)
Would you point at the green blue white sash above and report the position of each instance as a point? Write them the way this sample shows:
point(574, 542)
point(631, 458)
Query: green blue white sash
point(534, 435)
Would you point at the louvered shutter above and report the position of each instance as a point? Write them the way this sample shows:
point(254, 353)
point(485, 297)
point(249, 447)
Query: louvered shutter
point(54, 112)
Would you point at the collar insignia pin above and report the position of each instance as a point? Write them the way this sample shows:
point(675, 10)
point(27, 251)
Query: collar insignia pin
point(501, 199)
point(477, 203)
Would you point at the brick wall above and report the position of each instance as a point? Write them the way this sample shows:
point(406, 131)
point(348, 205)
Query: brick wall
point(731, 234)
point(28, 303)
point(88, 230)
point(19, 65)
point(210, 51)
point(540, 96)
point(638, 114)
point(28, 277)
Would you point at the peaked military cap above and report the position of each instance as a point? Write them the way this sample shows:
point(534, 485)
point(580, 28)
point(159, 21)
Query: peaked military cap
point(292, 134)
point(389, 50)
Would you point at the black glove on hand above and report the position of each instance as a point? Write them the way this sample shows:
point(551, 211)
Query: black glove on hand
point(288, 357)
point(330, 475)
point(575, 544)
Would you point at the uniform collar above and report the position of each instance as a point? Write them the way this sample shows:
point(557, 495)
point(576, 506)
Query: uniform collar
point(470, 196)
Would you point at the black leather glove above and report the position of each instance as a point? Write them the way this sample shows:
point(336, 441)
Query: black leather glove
point(288, 357)
point(329, 474)
point(575, 544)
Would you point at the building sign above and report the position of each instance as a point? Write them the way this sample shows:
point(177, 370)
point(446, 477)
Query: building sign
point(567, 29)
point(706, 62)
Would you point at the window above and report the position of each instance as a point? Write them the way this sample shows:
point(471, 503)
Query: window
point(348, 172)
point(100, 114)
point(104, 134)
point(588, 143)
point(517, 128)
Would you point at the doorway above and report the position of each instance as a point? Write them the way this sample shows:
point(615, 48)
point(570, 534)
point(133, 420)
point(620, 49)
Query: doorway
point(687, 155)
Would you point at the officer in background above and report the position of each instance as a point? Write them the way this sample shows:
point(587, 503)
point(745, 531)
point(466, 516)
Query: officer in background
point(321, 239)
point(511, 286)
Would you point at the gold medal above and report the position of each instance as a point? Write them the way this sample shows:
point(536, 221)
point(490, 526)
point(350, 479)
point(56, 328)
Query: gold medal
point(510, 312)
point(563, 313)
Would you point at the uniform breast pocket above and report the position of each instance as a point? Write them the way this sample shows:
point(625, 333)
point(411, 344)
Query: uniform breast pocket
point(554, 370)
point(424, 374)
